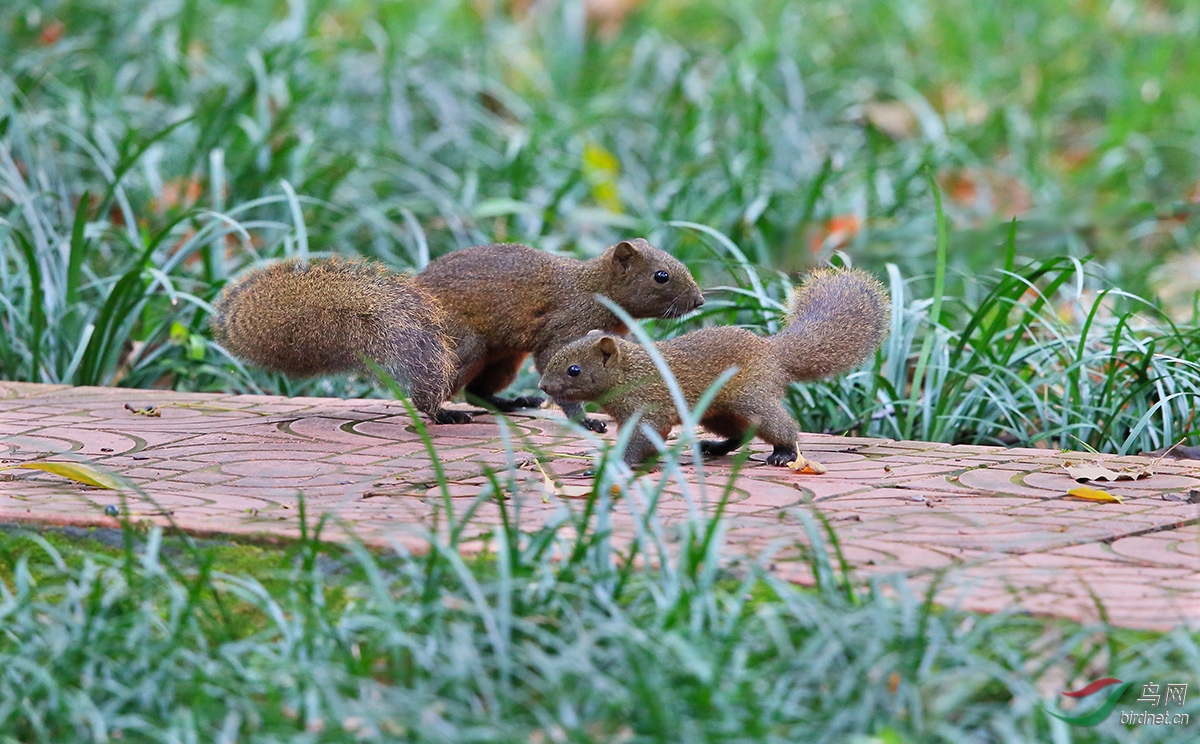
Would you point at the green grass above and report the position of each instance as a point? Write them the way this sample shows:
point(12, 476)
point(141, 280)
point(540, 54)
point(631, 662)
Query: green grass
point(556, 637)
point(150, 150)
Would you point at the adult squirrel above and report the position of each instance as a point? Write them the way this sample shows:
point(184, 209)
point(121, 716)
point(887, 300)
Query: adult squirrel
point(838, 318)
point(467, 321)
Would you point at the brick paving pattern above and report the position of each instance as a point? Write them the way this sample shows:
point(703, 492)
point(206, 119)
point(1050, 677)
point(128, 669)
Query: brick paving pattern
point(994, 524)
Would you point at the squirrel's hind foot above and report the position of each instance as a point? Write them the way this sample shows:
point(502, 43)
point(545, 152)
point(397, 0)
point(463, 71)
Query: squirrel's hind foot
point(445, 416)
point(718, 447)
point(782, 456)
point(595, 425)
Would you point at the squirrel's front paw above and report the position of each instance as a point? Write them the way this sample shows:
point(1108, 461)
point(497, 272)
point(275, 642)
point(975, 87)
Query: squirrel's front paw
point(529, 401)
point(452, 417)
point(595, 425)
point(781, 457)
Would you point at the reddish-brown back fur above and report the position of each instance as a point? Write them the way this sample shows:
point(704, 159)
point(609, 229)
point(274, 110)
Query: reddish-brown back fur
point(505, 301)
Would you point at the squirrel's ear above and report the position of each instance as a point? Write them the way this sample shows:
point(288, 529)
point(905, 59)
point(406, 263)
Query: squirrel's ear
point(608, 348)
point(624, 252)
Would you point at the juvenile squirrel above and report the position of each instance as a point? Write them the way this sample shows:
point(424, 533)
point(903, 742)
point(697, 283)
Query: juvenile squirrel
point(838, 318)
point(467, 321)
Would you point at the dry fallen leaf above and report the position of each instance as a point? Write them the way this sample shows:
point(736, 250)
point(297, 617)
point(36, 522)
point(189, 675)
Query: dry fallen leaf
point(574, 491)
point(51, 33)
point(803, 465)
point(77, 472)
point(893, 118)
point(1095, 471)
point(835, 232)
point(547, 483)
point(1095, 494)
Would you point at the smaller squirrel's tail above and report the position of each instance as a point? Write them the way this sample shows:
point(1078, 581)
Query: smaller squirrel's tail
point(322, 317)
point(839, 317)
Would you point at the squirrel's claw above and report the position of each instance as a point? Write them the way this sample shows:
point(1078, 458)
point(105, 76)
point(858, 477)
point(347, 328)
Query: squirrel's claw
point(505, 405)
point(595, 425)
point(529, 401)
point(781, 456)
point(452, 417)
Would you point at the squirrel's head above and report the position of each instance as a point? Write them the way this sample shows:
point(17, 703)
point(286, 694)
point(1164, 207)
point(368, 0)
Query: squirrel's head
point(648, 282)
point(585, 369)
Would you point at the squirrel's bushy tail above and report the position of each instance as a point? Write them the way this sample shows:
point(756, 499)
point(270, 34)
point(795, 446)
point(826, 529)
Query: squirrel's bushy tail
point(839, 317)
point(321, 317)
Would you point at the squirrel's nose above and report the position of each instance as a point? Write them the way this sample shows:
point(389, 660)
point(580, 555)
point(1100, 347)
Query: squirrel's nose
point(699, 301)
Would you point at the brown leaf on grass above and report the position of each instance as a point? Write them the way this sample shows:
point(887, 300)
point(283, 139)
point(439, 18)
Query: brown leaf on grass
point(985, 188)
point(957, 102)
point(893, 118)
point(178, 192)
point(608, 16)
point(835, 232)
point(1071, 159)
point(51, 33)
point(1094, 471)
point(960, 186)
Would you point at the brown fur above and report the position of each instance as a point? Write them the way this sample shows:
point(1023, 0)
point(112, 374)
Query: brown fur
point(318, 318)
point(838, 318)
point(495, 303)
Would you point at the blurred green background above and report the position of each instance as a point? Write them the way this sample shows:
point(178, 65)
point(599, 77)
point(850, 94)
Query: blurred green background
point(150, 150)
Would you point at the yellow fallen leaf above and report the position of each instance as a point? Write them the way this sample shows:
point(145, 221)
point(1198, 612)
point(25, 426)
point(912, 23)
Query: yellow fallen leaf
point(1095, 494)
point(77, 472)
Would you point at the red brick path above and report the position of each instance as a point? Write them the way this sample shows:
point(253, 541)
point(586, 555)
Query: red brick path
point(996, 520)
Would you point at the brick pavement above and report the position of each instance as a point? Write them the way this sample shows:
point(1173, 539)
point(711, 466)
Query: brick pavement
point(993, 523)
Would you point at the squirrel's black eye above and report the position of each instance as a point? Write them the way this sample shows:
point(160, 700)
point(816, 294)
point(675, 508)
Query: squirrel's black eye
point(573, 370)
point(661, 276)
